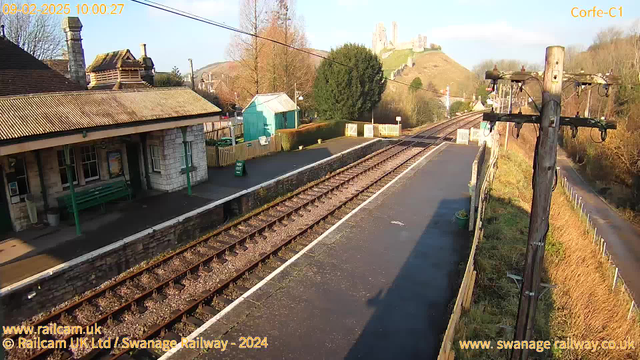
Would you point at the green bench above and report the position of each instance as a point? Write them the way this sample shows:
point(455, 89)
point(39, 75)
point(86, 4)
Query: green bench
point(98, 195)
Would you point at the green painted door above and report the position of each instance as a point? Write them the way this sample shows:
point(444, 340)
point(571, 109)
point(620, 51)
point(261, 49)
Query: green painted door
point(5, 217)
point(134, 167)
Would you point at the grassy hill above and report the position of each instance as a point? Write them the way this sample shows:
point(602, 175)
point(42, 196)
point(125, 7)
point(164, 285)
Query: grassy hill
point(432, 66)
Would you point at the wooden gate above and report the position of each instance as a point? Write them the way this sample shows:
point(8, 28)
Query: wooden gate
point(351, 130)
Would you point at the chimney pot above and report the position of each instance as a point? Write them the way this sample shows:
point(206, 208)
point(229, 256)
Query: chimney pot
point(143, 50)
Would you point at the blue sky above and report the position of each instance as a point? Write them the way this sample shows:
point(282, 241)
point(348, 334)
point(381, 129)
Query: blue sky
point(469, 31)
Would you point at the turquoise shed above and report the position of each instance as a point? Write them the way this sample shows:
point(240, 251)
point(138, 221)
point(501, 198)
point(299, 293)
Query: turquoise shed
point(267, 113)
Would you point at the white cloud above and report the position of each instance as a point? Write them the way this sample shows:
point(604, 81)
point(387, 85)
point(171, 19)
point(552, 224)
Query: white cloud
point(499, 33)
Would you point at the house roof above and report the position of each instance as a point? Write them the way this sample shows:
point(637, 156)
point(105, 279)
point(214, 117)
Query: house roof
point(22, 73)
point(59, 65)
point(276, 102)
point(115, 60)
point(35, 115)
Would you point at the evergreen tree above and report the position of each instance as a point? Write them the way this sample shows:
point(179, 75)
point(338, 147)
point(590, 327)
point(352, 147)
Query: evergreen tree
point(345, 92)
point(416, 84)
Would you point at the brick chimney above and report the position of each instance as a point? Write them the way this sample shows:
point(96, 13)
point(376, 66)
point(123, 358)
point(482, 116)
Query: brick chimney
point(77, 67)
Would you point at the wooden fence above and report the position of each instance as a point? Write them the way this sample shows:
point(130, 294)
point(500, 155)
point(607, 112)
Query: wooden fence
point(389, 130)
point(223, 156)
point(487, 169)
point(217, 134)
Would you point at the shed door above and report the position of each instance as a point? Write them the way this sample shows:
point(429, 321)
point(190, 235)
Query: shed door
point(5, 217)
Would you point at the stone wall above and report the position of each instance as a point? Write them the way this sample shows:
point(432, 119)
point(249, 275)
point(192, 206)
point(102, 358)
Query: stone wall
point(172, 175)
point(96, 268)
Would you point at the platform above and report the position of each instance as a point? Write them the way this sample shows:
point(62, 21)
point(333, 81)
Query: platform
point(30, 252)
point(376, 286)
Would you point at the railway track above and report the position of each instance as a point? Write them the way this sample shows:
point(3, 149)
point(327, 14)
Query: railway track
point(173, 296)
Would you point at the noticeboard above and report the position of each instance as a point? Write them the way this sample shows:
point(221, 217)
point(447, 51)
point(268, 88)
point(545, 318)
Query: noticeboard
point(241, 170)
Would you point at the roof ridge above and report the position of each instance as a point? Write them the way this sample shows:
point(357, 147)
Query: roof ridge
point(92, 92)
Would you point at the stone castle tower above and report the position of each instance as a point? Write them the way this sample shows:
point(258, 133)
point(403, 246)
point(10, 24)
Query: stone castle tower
point(380, 41)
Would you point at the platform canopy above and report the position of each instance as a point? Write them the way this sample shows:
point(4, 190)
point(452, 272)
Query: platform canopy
point(36, 121)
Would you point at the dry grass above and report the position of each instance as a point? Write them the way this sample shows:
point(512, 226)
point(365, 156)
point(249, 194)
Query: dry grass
point(582, 307)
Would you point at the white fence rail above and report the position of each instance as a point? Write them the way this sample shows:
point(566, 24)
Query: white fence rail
point(599, 241)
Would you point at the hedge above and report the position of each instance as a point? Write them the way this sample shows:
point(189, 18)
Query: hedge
point(309, 134)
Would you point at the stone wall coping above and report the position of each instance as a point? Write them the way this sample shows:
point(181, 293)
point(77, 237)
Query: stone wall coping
point(88, 256)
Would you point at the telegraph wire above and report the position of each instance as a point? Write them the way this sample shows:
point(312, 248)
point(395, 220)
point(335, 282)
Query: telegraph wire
point(191, 16)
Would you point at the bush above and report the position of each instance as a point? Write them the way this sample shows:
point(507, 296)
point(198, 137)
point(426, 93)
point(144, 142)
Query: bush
point(309, 134)
point(459, 106)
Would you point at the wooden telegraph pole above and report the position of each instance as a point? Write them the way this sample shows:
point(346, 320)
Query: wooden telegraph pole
point(544, 171)
point(544, 175)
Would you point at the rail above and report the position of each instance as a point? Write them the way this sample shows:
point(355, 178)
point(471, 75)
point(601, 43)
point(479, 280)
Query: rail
point(227, 242)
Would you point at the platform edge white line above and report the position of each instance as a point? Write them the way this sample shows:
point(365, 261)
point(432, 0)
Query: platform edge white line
point(90, 255)
point(224, 311)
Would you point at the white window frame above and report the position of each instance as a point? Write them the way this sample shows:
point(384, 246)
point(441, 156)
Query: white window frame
point(72, 155)
point(156, 158)
point(94, 159)
point(189, 152)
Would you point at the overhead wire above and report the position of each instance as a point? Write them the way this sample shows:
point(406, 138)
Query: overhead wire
point(191, 16)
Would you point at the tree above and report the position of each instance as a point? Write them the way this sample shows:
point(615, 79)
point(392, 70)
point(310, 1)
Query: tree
point(458, 106)
point(345, 92)
point(174, 78)
point(246, 50)
point(286, 68)
point(40, 35)
point(416, 84)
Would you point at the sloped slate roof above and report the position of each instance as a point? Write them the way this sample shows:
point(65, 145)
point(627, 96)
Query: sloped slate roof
point(276, 102)
point(114, 60)
point(33, 115)
point(59, 65)
point(21, 73)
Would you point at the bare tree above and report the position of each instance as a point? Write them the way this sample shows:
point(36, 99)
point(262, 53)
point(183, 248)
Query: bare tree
point(288, 68)
point(40, 35)
point(246, 49)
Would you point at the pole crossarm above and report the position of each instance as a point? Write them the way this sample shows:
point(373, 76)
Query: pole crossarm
point(564, 120)
point(581, 77)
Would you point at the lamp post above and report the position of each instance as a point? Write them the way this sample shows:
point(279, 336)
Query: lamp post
point(297, 96)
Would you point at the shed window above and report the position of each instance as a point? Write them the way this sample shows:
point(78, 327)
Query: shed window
point(189, 155)
point(63, 170)
point(156, 157)
point(89, 163)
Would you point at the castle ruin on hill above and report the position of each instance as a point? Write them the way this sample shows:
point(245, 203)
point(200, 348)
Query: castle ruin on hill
point(381, 42)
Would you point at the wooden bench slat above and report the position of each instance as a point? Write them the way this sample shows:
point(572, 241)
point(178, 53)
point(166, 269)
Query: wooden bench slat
point(95, 196)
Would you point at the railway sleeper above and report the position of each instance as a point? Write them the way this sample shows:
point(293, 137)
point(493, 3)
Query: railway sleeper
point(194, 321)
point(241, 289)
point(220, 260)
point(208, 310)
point(222, 301)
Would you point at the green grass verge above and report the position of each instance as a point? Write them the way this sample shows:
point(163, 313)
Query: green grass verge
point(502, 249)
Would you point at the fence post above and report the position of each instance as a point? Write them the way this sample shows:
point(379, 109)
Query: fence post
point(631, 310)
point(595, 232)
point(615, 279)
point(604, 247)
